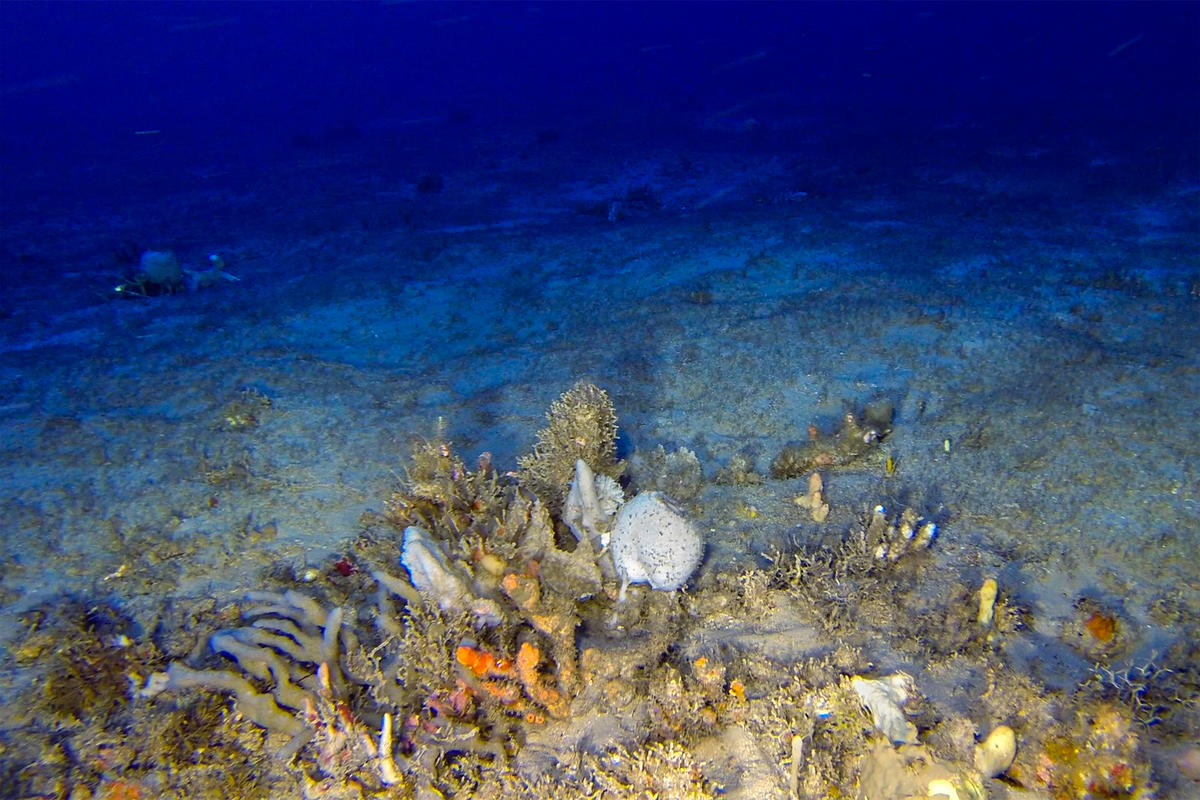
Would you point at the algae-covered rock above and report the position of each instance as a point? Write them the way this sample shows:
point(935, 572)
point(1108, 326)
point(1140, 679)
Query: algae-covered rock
point(857, 436)
point(676, 473)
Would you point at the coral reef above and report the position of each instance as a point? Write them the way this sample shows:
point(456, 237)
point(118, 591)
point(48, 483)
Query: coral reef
point(475, 640)
point(483, 651)
point(1098, 757)
point(90, 653)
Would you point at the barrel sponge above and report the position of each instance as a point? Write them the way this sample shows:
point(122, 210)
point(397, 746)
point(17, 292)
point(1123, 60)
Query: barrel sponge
point(581, 424)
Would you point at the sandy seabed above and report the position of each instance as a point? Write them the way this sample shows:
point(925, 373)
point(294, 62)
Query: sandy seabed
point(1037, 337)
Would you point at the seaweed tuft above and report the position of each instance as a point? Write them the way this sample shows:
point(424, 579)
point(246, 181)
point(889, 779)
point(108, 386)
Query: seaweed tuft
point(87, 671)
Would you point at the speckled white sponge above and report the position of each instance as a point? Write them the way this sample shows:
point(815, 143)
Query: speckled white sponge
point(653, 542)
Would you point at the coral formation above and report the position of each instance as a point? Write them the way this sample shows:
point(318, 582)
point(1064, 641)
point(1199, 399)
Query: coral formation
point(814, 499)
point(1099, 756)
point(97, 739)
point(824, 575)
point(581, 424)
point(858, 435)
point(472, 641)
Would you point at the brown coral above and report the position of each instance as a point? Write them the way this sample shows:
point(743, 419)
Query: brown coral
point(581, 424)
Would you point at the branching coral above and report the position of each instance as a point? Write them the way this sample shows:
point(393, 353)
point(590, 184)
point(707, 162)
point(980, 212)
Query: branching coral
point(301, 653)
point(831, 579)
point(581, 424)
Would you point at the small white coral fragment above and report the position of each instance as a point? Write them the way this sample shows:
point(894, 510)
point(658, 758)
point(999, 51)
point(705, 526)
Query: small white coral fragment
point(995, 754)
point(430, 571)
point(885, 699)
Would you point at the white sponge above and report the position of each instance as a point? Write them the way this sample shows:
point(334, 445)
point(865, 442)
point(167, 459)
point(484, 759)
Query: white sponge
point(653, 542)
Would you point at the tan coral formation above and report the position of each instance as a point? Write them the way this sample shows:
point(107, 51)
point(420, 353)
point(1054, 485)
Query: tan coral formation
point(814, 499)
point(581, 424)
